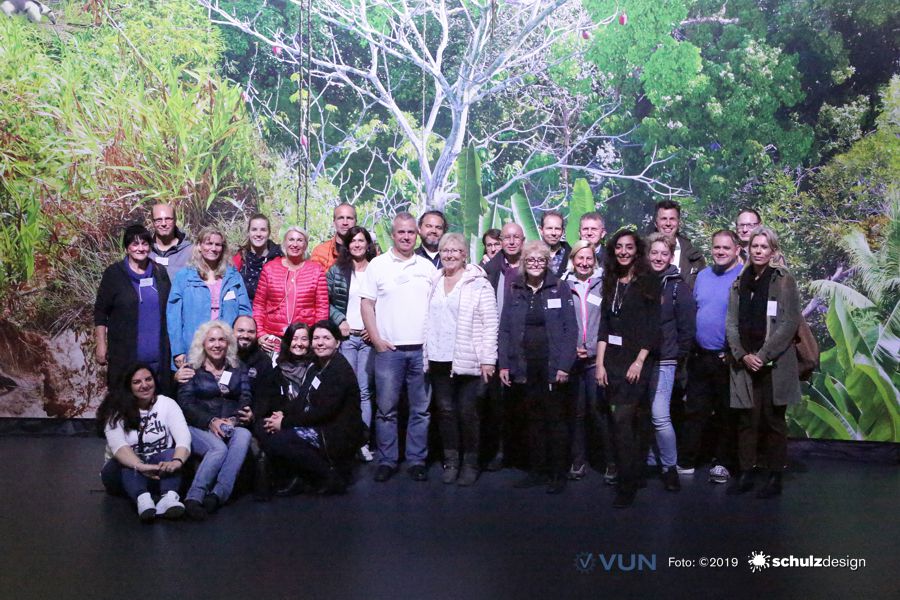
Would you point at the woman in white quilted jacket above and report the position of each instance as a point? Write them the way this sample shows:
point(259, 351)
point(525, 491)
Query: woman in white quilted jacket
point(460, 354)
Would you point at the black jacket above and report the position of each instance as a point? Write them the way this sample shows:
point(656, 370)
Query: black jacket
point(116, 308)
point(262, 381)
point(201, 400)
point(677, 316)
point(638, 319)
point(691, 261)
point(436, 261)
point(332, 408)
point(566, 249)
point(561, 326)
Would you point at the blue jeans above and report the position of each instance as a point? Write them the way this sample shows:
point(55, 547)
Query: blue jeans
point(122, 480)
point(665, 446)
point(359, 354)
point(392, 368)
point(222, 460)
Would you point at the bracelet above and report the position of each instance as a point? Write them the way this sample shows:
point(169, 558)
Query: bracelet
point(178, 459)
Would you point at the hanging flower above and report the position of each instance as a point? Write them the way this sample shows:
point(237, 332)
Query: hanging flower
point(276, 50)
point(303, 141)
point(585, 35)
point(623, 18)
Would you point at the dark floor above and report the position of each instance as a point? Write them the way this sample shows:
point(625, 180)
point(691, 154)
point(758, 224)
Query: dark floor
point(61, 537)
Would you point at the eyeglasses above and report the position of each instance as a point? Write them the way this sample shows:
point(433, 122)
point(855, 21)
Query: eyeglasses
point(536, 261)
point(451, 251)
point(747, 225)
point(508, 238)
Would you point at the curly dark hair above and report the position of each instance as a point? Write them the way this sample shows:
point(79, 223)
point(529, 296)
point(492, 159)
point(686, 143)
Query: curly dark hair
point(612, 270)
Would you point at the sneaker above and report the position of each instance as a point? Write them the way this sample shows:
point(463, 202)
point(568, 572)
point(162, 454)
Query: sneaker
point(577, 473)
point(496, 463)
point(146, 509)
point(418, 473)
point(365, 454)
point(611, 476)
point(684, 470)
point(670, 480)
point(450, 475)
point(719, 474)
point(211, 503)
point(468, 476)
point(384, 472)
point(170, 506)
point(194, 510)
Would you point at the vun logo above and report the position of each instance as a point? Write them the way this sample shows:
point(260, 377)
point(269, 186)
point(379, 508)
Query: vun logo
point(586, 562)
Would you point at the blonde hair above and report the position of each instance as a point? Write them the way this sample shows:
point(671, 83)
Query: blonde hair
point(656, 236)
point(578, 247)
point(456, 238)
point(197, 260)
point(295, 229)
point(533, 247)
point(197, 353)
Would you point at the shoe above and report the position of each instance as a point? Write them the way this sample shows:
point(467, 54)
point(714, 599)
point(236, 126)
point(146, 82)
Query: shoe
point(262, 481)
point(451, 473)
point(294, 487)
point(741, 484)
point(418, 473)
point(170, 506)
point(624, 498)
point(671, 480)
point(496, 463)
point(557, 484)
point(365, 454)
point(384, 472)
point(772, 487)
point(684, 470)
point(577, 473)
point(719, 474)
point(468, 476)
point(211, 503)
point(146, 509)
point(611, 476)
point(194, 510)
point(532, 480)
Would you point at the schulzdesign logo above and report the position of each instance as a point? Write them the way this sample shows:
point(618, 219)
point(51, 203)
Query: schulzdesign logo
point(585, 562)
point(758, 561)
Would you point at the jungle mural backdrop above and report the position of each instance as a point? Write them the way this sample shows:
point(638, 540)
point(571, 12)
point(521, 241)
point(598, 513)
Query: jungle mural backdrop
point(491, 110)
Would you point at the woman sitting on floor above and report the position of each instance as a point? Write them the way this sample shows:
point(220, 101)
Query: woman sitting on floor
point(318, 428)
point(148, 442)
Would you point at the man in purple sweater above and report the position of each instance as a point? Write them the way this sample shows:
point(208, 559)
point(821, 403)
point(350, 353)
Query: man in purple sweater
point(708, 391)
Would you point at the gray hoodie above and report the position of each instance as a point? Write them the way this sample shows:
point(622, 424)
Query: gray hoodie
point(175, 258)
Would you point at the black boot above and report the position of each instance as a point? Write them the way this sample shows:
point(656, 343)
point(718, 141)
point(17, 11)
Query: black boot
point(772, 487)
point(741, 484)
point(262, 482)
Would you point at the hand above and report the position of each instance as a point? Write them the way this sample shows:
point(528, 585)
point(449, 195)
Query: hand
point(365, 336)
point(169, 466)
point(634, 372)
point(245, 415)
point(601, 376)
point(752, 362)
point(101, 354)
point(215, 427)
point(184, 374)
point(269, 343)
point(487, 371)
point(562, 377)
point(273, 424)
point(383, 346)
point(179, 361)
point(345, 328)
point(581, 352)
point(147, 470)
point(504, 377)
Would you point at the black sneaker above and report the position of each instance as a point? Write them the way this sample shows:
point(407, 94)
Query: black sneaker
point(384, 472)
point(418, 473)
point(194, 510)
point(671, 480)
point(211, 503)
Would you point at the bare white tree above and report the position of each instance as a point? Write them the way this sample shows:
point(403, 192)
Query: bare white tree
point(466, 52)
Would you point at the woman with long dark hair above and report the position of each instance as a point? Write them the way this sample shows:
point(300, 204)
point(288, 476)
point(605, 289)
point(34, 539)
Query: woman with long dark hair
point(147, 443)
point(627, 344)
point(130, 311)
point(345, 280)
point(256, 252)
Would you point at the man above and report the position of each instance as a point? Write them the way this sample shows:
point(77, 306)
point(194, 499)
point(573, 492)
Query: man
point(708, 393)
point(491, 243)
point(326, 253)
point(687, 258)
point(592, 229)
point(747, 220)
point(170, 248)
point(432, 227)
point(552, 228)
point(394, 306)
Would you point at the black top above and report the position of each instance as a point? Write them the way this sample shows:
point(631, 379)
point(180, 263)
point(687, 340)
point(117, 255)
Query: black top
point(632, 314)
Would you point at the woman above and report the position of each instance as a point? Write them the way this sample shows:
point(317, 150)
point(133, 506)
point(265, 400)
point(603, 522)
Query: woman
point(763, 317)
point(148, 440)
point(584, 277)
point(130, 312)
point(206, 290)
point(345, 279)
point(317, 428)
point(678, 313)
point(216, 403)
point(538, 335)
point(256, 252)
point(460, 353)
point(290, 289)
point(627, 343)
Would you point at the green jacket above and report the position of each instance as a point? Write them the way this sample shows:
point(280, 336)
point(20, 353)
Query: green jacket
point(778, 349)
point(338, 280)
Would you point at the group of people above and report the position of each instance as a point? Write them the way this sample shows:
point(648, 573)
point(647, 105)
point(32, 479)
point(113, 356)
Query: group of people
point(301, 361)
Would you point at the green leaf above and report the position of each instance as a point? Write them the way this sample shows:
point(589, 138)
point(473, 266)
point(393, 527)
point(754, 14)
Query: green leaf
point(524, 216)
point(582, 202)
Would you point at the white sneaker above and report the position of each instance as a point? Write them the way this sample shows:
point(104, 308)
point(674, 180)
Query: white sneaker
point(170, 506)
point(145, 507)
point(684, 470)
point(719, 474)
point(365, 454)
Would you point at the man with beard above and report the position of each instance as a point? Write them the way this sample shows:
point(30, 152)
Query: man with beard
point(432, 227)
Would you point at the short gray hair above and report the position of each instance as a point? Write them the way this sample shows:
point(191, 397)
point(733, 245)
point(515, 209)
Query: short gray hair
point(454, 237)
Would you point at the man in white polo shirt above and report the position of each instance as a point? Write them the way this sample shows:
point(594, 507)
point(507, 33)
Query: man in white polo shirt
point(394, 304)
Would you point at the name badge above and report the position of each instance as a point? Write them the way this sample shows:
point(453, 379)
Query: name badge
point(554, 303)
point(595, 300)
point(147, 282)
point(162, 260)
point(615, 340)
point(401, 279)
point(225, 378)
point(772, 308)
point(315, 383)
point(230, 295)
